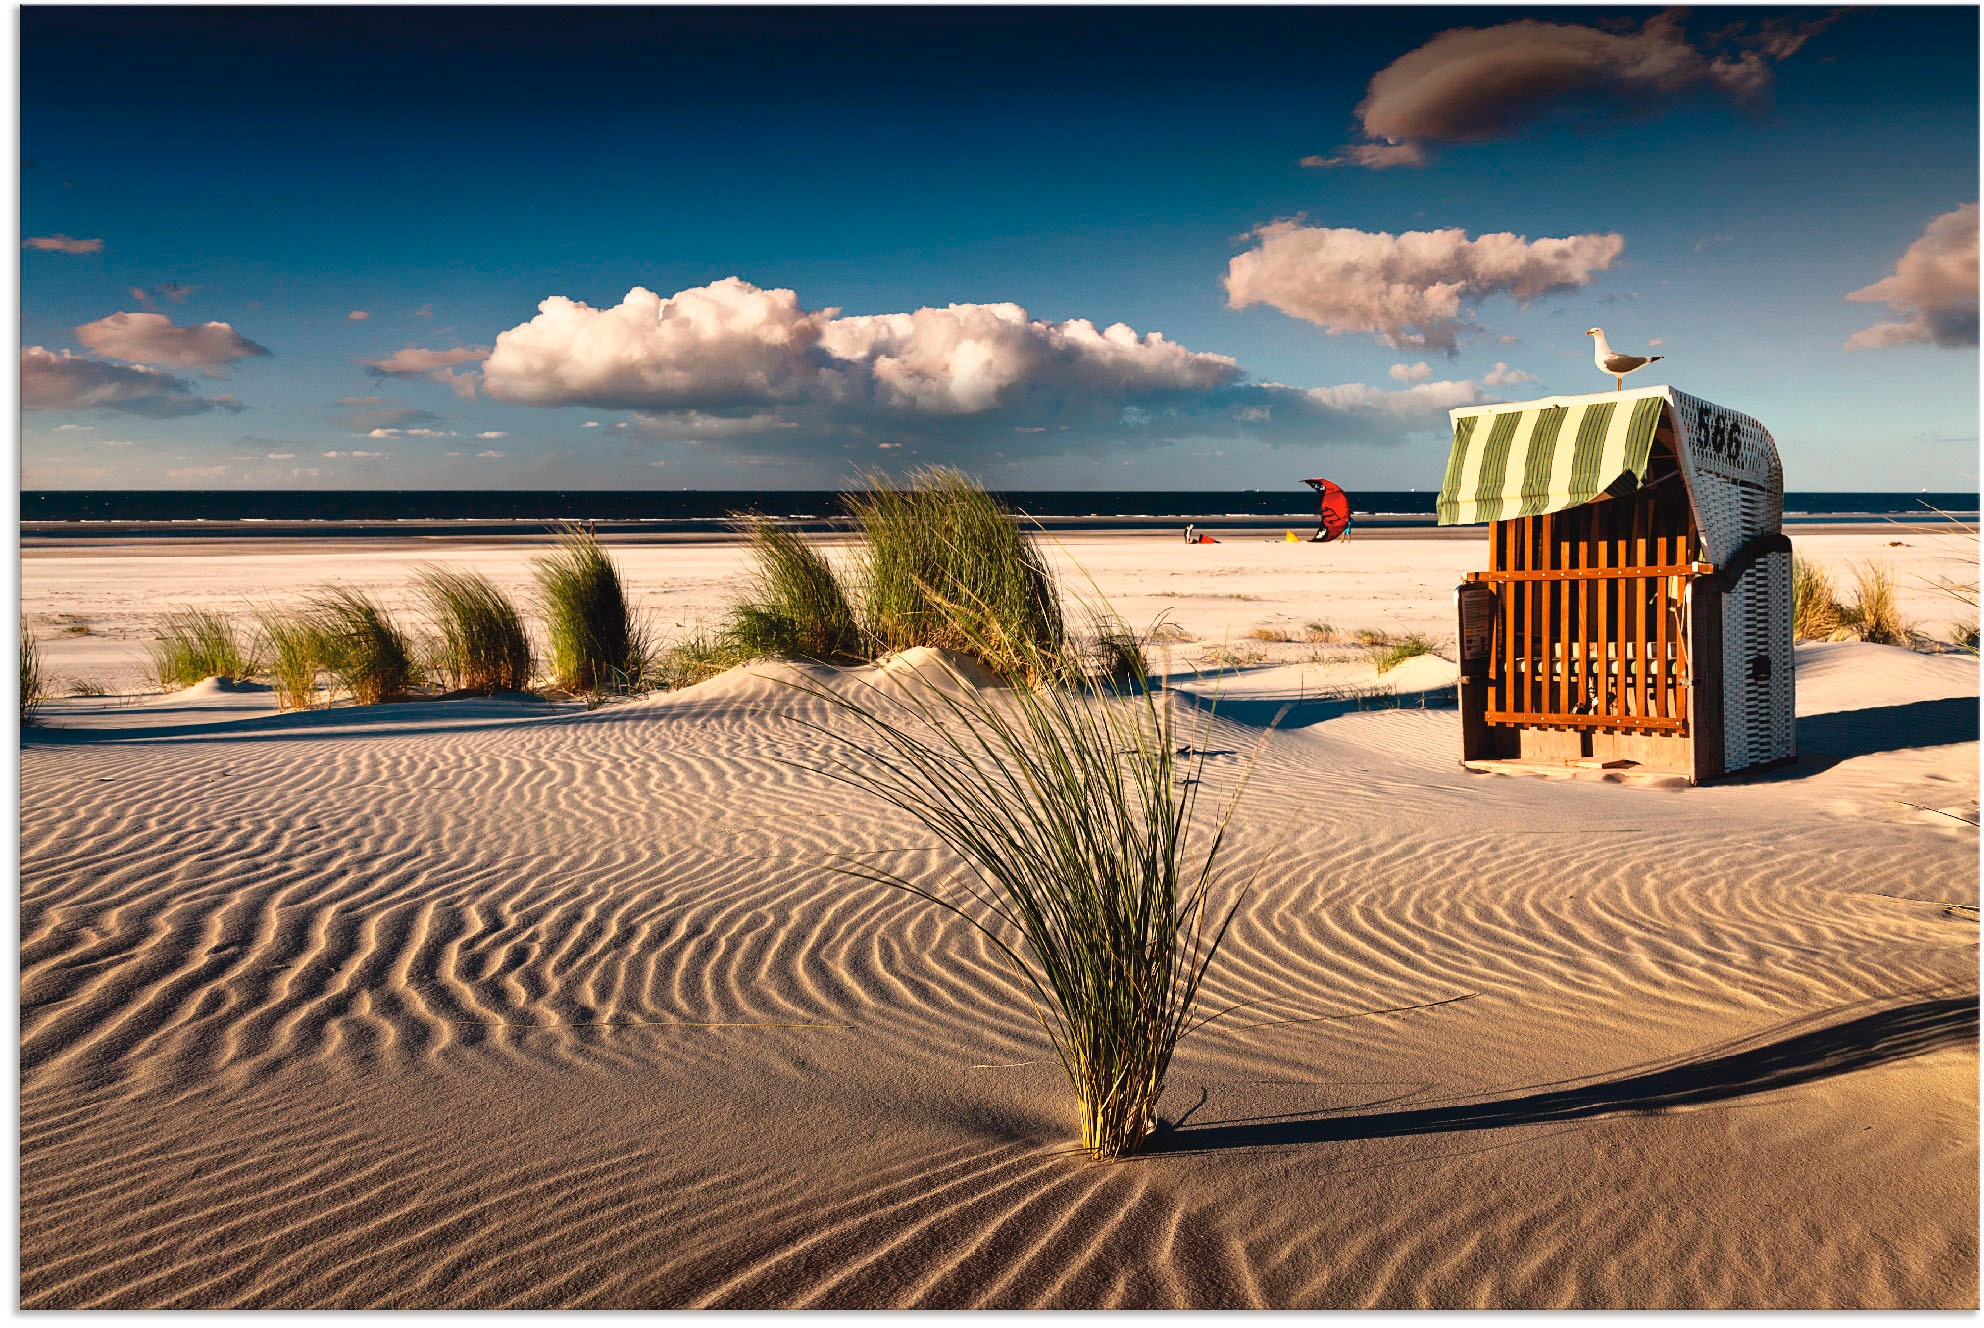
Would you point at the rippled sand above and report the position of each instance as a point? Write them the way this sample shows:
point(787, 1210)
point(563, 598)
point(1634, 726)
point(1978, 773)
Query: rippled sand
point(482, 1004)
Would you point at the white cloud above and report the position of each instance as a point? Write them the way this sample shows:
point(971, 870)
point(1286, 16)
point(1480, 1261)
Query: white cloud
point(438, 366)
point(492, 433)
point(51, 381)
point(411, 433)
point(62, 244)
point(590, 424)
point(155, 339)
point(756, 374)
point(357, 454)
point(1411, 373)
point(1471, 85)
point(730, 345)
point(1934, 285)
point(1406, 289)
point(356, 316)
point(1503, 376)
point(279, 456)
point(64, 428)
point(490, 453)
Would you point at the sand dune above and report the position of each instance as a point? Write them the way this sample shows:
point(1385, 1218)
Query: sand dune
point(480, 1004)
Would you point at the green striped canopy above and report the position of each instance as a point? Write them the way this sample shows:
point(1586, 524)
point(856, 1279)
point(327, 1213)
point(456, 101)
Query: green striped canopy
point(1531, 457)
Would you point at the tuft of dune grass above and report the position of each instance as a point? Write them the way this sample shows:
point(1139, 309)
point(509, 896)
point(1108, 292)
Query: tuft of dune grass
point(198, 643)
point(1875, 614)
point(1815, 609)
point(364, 651)
point(34, 681)
point(294, 652)
point(480, 643)
point(947, 565)
point(1395, 652)
point(798, 608)
point(596, 646)
point(1074, 811)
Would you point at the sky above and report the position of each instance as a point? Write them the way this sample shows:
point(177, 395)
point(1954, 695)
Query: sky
point(1181, 248)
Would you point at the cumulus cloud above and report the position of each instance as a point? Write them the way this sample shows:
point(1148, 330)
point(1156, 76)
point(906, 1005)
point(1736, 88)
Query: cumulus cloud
point(1477, 84)
point(1503, 376)
point(52, 381)
point(1411, 373)
point(412, 433)
point(731, 345)
point(436, 366)
point(62, 244)
point(1934, 287)
point(735, 367)
point(493, 433)
point(357, 316)
point(1406, 289)
point(490, 453)
point(155, 339)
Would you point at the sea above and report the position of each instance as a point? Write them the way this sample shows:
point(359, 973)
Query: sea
point(53, 512)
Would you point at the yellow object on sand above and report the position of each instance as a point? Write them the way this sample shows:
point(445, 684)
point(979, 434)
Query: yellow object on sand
point(1290, 537)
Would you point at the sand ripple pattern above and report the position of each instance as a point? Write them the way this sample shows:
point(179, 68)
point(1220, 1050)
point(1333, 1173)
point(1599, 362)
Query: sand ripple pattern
point(576, 1011)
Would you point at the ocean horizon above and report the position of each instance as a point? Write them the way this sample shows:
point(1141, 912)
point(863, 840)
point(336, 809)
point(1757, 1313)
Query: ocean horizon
point(705, 506)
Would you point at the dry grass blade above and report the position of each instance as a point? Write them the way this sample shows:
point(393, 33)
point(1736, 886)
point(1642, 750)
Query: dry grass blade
point(481, 644)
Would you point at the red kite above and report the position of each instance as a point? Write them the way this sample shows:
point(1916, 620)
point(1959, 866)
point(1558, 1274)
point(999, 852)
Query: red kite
point(1333, 520)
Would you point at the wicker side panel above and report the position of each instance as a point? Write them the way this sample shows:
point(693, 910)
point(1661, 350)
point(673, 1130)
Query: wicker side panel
point(1759, 690)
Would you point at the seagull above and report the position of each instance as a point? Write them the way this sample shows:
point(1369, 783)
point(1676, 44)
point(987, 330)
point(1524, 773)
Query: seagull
point(1610, 361)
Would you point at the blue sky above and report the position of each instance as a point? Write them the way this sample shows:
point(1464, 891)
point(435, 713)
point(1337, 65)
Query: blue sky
point(1712, 187)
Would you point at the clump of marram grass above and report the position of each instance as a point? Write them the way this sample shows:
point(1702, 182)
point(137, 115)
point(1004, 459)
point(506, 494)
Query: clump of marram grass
point(1395, 651)
point(294, 653)
point(946, 564)
point(596, 644)
point(363, 650)
point(1074, 812)
point(798, 608)
point(194, 644)
point(86, 688)
point(1875, 614)
point(699, 656)
point(480, 643)
point(1815, 609)
point(34, 681)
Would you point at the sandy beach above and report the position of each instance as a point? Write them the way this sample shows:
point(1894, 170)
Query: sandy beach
point(509, 1003)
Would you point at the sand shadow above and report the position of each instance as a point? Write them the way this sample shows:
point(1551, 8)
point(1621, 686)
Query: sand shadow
point(1822, 1053)
point(1826, 740)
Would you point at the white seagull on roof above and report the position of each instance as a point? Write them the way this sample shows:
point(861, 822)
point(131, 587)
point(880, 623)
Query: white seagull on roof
point(1612, 362)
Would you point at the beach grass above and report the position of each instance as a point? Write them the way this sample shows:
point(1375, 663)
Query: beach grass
point(198, 643)
point(34, 679)
point(1395, 651)
point(798, 608)
point(294, 652)
point(596, 643)
point(1076, 817)
point(1875, 613)
point(86, 688)
point(946, 564)
point(480, 644)
point(1815, 609)
point(363, 650)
